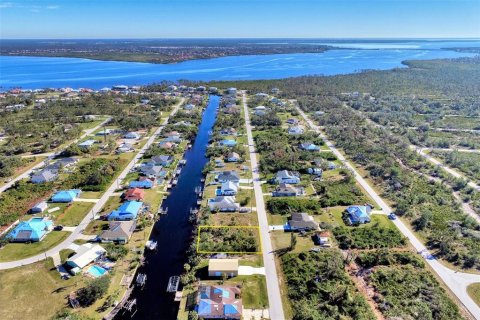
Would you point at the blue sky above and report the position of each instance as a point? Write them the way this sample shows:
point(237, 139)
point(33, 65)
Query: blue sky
point(240, 18)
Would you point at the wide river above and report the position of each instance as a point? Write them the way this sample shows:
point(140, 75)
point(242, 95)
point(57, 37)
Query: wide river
point(42, 72)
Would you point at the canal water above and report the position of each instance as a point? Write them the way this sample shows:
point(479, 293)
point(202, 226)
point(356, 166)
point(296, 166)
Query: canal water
point(173, 231)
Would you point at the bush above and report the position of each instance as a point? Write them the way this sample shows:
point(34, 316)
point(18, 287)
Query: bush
point(115, 251)
point(93, 291)
point(285, 206)
point(368, 237)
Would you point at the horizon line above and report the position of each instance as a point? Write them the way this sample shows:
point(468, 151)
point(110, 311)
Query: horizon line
point(250, 38)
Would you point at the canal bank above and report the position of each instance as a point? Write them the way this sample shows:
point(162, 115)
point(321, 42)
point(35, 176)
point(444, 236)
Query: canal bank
point(173, 232)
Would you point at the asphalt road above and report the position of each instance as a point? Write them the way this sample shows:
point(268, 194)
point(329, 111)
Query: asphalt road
point(273, 288)
point(95, 209)
point(457, 282)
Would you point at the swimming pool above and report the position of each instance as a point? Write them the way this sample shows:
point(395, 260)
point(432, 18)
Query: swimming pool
point(96, 271)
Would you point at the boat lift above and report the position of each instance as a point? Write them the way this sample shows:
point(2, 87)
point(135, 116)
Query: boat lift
point(173, 283)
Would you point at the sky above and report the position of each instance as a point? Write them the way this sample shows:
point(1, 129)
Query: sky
point(50, 19)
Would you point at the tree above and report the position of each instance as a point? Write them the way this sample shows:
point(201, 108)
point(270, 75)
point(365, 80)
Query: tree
point(93, 291)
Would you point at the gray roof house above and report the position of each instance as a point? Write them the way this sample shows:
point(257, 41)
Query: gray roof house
point(228, 188)
point(223, 204)
point(118, 231)
point(225, 176)
point(302, 222)
point(44, 176)
point(151, 171)
point(162, 160)
point(296, 130)
point(287, 190)
point(285, 176)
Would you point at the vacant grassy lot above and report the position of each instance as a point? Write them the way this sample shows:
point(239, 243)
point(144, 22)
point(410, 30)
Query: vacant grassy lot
point(17, 251)
point(474, 292)
point(213, 239)
point(74, 214)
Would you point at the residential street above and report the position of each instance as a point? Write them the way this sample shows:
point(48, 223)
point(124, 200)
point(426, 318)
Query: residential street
point(77, 233)
point(41, 164)
point(273, 288)
point(457, 282)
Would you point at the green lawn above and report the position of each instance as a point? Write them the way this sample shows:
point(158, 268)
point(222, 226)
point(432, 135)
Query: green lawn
point(474, 292)
point(65, 254)
point(35, 291)
point(17, 251)
point(254, 291)
point(74, 214)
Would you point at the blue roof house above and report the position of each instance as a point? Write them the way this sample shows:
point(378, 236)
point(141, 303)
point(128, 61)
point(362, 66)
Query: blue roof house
point(145, 184)
point(66, 195)
point(358, 214)
point(33, 230)
point(127, 211)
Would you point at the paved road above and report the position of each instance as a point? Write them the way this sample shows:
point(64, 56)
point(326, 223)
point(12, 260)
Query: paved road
point(273, 288)
point(77, 233)
point(457, 282)
point(456, 174)
point(27, 173)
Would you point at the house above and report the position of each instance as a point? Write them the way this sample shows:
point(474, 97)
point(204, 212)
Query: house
point(302, 222)
point(287, 190)
point(232, 91)
point(62, 163)
point(260, 110)
point(315, 171)
point(275, 90)
point(162, 160)
point(228, 188)
point(296, 130)
point(219, 163)
point(220, 267)
point(225, 176)
point(322, 238)
point(153, 171)
point(33, 230)
point(104, 132)
point(65, 195)
point(142, 183)
point(358, 214)
point(331, 165)
point(127, 211)
point(223, 204)
point(131, 135)
point(39, 207)
point(219, 302)
point(87, 144)
point(118, 231)
point(228, 143)
point(134, 194)
point(189, 107)
point(261, 95)
point(228, 132)
point(233, 157)
point(308, 146)
point(43, 176)
point(125, 147)
point(85, 254)
point(166, 145)
point(292, 121)
point(285, 176)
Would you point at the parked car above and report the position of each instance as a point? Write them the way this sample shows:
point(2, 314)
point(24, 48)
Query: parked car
point(392, 216)
point(58, 228)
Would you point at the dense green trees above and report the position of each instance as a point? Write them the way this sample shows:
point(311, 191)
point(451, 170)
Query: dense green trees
point(288, 205)
point(319, 288)
point(9, 164)
point(95, 290)
point(93, 175)
point(368, 237)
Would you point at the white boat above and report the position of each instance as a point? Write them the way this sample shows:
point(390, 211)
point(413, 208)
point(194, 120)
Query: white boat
point(151, 245)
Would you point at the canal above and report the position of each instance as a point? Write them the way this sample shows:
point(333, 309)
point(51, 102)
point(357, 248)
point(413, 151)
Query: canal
point(173, 231)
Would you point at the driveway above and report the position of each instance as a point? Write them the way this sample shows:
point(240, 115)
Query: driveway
point(249, 271)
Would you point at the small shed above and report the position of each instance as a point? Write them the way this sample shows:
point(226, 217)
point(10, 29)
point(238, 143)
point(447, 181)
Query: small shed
point(39, 207)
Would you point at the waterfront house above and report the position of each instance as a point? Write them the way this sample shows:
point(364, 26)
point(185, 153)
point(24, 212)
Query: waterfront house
point(287, 190)
point(228, 132)
point(39, 207)
point(87, 144)
point(228, 188)
point(43, 176)
point(66, 196)
point(225, 176)
point(223, 204)
point(166, 145)
point(232, 91)
point(162, 160)
point(153, 171)
point(233, 157)
point(220, 267)
point(296, 130)
point(135, 194)
point(358, 214)
point(127, 211)
point(143, 183)
point(118, 231)
point(308, 146)
point(219, 302)
point(33, 230)
point(285, 176)
point(86, 254)
point(302, 222)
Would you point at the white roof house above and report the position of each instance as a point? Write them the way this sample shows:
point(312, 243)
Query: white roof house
point(86, 253)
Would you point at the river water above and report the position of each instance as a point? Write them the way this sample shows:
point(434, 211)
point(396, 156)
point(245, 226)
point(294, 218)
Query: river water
point(173, 231)
point(42, 72)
